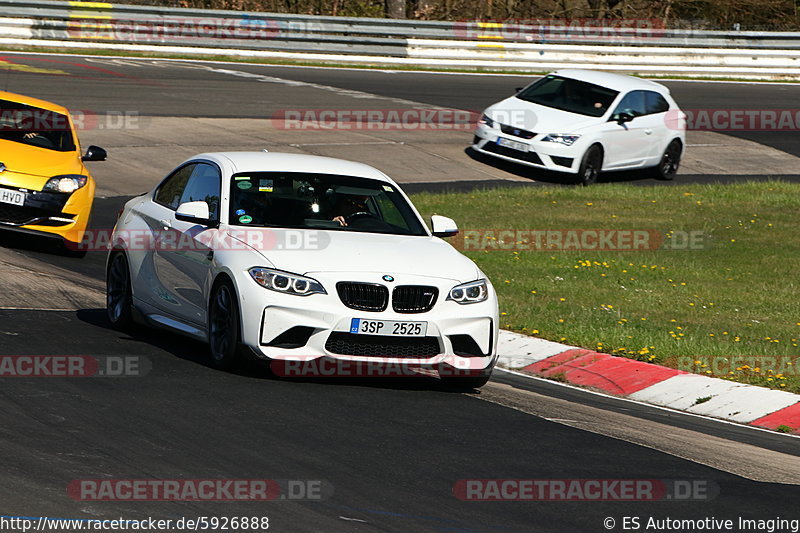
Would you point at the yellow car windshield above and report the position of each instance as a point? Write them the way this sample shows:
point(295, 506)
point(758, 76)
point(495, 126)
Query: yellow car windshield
point(35, 127)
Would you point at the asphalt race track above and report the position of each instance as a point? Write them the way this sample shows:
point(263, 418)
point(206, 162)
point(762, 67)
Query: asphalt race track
point(388, 452)
point(117, 84)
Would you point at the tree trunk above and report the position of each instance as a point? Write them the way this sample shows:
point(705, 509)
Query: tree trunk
point(396, 9)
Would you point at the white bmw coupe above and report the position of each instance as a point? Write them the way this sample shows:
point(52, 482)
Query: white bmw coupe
point(296, 257)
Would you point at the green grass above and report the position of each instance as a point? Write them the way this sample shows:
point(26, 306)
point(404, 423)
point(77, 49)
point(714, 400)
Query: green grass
point(729, 309)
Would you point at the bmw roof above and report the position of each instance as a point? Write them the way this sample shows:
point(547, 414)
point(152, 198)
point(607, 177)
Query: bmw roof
point(285, 162)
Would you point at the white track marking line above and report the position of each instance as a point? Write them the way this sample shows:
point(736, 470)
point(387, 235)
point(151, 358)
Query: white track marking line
point(660, 408)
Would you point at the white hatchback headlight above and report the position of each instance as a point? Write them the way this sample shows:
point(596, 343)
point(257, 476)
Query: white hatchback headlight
point(279, 281)
point(486, 121)
point(67, 183)
point(469, 293)
point(561, 138)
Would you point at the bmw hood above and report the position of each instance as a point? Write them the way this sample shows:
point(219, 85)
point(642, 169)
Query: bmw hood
point(310, 251)
point(538, 118)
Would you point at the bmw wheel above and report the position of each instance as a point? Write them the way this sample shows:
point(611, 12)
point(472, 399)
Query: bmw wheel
point(224, 326)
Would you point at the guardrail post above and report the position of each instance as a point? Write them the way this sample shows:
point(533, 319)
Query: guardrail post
point(396, 9)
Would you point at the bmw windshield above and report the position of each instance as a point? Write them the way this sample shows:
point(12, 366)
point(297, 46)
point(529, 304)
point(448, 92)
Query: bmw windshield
point(320, 201)
point(570, 95)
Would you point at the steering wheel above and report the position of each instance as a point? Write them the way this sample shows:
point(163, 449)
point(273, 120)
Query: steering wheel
point(357, 215)
point(41, 141)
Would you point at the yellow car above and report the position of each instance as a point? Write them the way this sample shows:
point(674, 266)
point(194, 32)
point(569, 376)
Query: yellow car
point(44, 186)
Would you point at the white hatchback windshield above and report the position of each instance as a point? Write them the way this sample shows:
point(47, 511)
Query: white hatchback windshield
point(570, 95)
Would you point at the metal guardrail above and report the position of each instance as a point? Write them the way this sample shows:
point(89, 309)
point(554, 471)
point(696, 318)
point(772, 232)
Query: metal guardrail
point(643, 48)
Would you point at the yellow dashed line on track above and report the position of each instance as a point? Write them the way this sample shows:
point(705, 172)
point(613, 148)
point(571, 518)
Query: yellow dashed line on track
point(92, 5)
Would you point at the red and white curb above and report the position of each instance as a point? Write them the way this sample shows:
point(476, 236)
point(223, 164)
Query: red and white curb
point(649, 383)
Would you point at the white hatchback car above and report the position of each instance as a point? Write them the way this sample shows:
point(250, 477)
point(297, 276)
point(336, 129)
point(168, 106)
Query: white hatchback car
point(298, 257)
point(584, 122)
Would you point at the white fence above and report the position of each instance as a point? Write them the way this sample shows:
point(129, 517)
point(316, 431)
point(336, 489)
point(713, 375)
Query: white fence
point(639, 48)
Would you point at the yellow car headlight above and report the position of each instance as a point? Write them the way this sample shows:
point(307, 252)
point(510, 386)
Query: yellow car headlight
point(67, 183)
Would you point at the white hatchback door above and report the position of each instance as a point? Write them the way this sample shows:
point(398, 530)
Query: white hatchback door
point(628, 144)
point(656, 109)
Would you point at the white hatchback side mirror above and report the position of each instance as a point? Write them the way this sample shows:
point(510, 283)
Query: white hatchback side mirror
point(443, 226)
point(196, 212)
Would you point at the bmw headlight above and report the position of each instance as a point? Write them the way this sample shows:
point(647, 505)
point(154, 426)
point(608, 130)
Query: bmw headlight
point(561, 138)
point(68, 183)
point(279, 281)
point(486, 121)
point(469, 293)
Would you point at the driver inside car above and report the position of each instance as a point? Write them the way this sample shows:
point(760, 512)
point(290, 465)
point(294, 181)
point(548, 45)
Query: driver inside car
point(349, 205)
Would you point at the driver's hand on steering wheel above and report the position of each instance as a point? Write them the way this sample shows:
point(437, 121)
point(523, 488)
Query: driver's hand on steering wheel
point(340, 219)
point(31, 135)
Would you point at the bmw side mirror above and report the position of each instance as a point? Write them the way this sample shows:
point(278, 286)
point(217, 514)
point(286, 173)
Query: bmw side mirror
point(94, 153)
point(443, 226)
point(194, 212)
point(622, 118)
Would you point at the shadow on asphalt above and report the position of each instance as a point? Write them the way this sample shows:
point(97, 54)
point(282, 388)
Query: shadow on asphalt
point(30, 243)
point(556, 178)
point(196, 352)
point(52, 251)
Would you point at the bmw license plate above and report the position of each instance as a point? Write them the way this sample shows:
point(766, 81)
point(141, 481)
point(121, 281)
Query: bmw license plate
point(7, 196)
point(388, 327)
point(514, 145)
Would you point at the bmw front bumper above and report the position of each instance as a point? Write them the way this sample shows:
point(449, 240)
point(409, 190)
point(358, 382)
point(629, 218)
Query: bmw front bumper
point(287, 327)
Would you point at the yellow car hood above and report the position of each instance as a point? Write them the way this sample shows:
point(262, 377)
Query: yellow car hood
point(32, 166)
